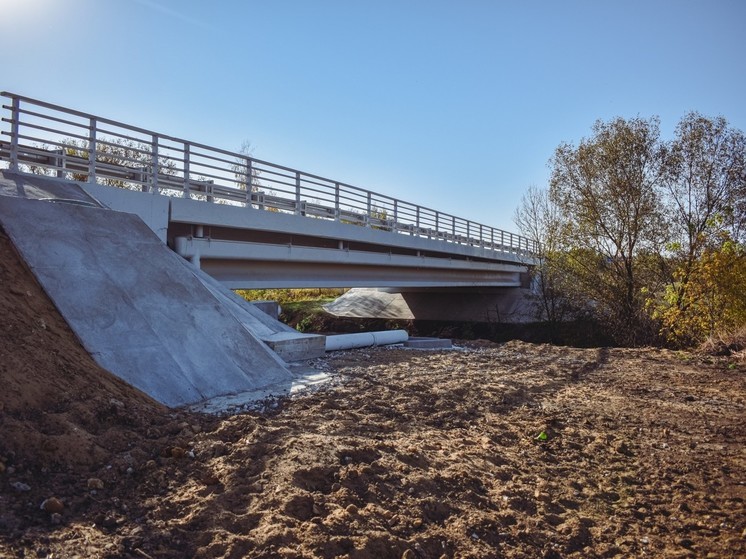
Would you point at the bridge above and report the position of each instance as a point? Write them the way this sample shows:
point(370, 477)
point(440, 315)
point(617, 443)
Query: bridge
point(254, 224)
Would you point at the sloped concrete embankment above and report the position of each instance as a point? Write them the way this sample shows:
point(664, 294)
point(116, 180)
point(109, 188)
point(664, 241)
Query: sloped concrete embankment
point(136, 306)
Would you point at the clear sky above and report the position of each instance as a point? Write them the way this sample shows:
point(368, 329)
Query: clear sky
point(456, 105)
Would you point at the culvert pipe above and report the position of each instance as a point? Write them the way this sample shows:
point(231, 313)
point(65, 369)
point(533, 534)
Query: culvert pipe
point(365, 339)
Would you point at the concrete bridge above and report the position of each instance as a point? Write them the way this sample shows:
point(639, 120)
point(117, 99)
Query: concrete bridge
point(266, 225)
point(255, 224)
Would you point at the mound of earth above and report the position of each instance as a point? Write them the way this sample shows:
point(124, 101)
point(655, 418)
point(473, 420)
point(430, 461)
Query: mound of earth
point(513, 450)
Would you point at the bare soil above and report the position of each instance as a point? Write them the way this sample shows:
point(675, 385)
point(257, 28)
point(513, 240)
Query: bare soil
point(512, 450)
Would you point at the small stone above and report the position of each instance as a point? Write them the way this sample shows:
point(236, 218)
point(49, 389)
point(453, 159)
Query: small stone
point(130, 471)
point(351, 509)
point(417, 523)
point(393, 521)
point(408, 554)
point(56, 518)
point(336, 487)
point(644, 540)
point(116, 403)
point(20, 486)
point(177, 452)
point(95, 483)
point(52, 505)
point(317, 509)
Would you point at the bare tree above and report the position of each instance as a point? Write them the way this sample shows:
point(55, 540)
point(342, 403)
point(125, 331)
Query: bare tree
point(607, 189)
point(539, 219)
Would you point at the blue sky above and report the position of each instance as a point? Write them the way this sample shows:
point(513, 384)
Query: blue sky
point(454, 105)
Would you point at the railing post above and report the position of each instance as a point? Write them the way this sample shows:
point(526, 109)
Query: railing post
point(468, 232)
point(481, 238)
point(337, 211)
point(297, 193)
point(396, 216)
point(185, 193)
point(453, 227)
point(92, 149)
point(492, 238)
point(370, 210)
point(249, 181)
point(155, 162)
point(437, 225)
point(417, 221)
point(15, 122)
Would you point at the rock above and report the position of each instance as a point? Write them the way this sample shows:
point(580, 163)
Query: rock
point(52, 505)
point(351, 509)
point(177, 452)
point(95, 483)
point(20, 486)
point(116, 403)
point(409, 554)
point(56, 518)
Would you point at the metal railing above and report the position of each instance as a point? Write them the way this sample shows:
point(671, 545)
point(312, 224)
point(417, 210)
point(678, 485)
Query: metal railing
point(50, 139)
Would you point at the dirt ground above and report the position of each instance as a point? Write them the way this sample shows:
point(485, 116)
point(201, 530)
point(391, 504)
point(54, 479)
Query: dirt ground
point(512, 450)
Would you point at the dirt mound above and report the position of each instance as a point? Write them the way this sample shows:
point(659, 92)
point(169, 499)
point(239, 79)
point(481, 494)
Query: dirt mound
point(513, 450)
point(58, 406)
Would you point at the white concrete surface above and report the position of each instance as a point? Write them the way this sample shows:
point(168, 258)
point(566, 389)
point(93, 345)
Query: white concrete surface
point(135, 305)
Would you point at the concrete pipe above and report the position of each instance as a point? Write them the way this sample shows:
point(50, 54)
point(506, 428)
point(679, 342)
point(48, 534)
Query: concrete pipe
point(365, 339)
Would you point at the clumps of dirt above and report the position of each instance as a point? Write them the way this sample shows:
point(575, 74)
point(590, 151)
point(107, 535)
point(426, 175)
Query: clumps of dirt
point(61, 415)
point(513, 450)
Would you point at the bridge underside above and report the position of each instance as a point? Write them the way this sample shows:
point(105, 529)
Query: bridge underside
point(246, 249)
point(244, 265)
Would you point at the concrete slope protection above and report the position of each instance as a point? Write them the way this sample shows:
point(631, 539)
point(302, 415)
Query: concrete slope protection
point(135, 305)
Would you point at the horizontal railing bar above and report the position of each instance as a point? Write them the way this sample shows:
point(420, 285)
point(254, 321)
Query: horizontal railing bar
point(52, 118)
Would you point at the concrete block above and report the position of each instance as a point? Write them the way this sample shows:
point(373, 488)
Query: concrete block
point(296, 346)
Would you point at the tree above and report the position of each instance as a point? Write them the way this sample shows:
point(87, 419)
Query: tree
point(538, 218)
point(607, 189)
point(118, 153)
point(243, 171)
point(705, 188)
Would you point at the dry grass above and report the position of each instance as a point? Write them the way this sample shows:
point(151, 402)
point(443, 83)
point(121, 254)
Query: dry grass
point(730, 344)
